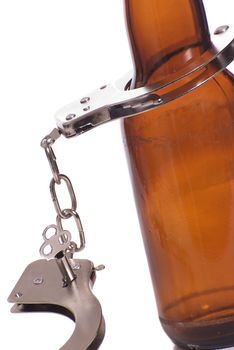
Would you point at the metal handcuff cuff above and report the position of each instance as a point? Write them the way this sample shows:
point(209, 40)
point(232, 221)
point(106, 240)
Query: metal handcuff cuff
point(59, 282)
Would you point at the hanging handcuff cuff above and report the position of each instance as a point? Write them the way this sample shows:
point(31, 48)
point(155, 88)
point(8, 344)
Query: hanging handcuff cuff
point(59, 282)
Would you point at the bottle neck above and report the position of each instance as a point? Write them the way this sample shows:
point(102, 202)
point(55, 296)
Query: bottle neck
point(164, 35)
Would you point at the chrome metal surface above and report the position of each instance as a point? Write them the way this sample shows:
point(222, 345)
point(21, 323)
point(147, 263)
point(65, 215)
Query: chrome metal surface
point(76, 266)
point(73, 214)
point(38, 280)
point(66, 270)
point(100, 268)
point(73, 248)
point(86, 109)
point(75, 301)
point(221, 29)
point(70, 116)
point(63, 213)
point(85, 100)
point(47, 143)
point(50, 139)
point(53, 244)
point(110, 102)
point(18, 295)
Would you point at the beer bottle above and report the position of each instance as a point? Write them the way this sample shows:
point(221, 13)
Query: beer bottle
point(181, 157)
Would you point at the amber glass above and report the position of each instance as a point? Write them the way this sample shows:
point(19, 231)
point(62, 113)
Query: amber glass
point(181, 157)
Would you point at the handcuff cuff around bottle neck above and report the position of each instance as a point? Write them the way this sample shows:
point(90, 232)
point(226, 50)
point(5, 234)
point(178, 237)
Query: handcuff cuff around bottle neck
point(59, 283)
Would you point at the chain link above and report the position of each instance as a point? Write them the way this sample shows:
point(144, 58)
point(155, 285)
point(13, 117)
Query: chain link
point(47, 143)
point(63, 213)
point(73, 214)
point(58, 178)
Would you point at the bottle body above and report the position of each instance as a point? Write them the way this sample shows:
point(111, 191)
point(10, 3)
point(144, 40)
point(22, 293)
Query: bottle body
point(181, 157)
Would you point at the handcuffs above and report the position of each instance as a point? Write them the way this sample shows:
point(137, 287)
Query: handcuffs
point(59, 282)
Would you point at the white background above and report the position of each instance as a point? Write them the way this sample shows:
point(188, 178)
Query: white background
point(51, 53)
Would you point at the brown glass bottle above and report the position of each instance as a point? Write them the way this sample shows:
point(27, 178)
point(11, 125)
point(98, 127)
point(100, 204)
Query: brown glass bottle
point(181, 157)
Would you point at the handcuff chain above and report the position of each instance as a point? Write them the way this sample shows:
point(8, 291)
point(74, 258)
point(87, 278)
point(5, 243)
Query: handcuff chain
point(57, 179)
